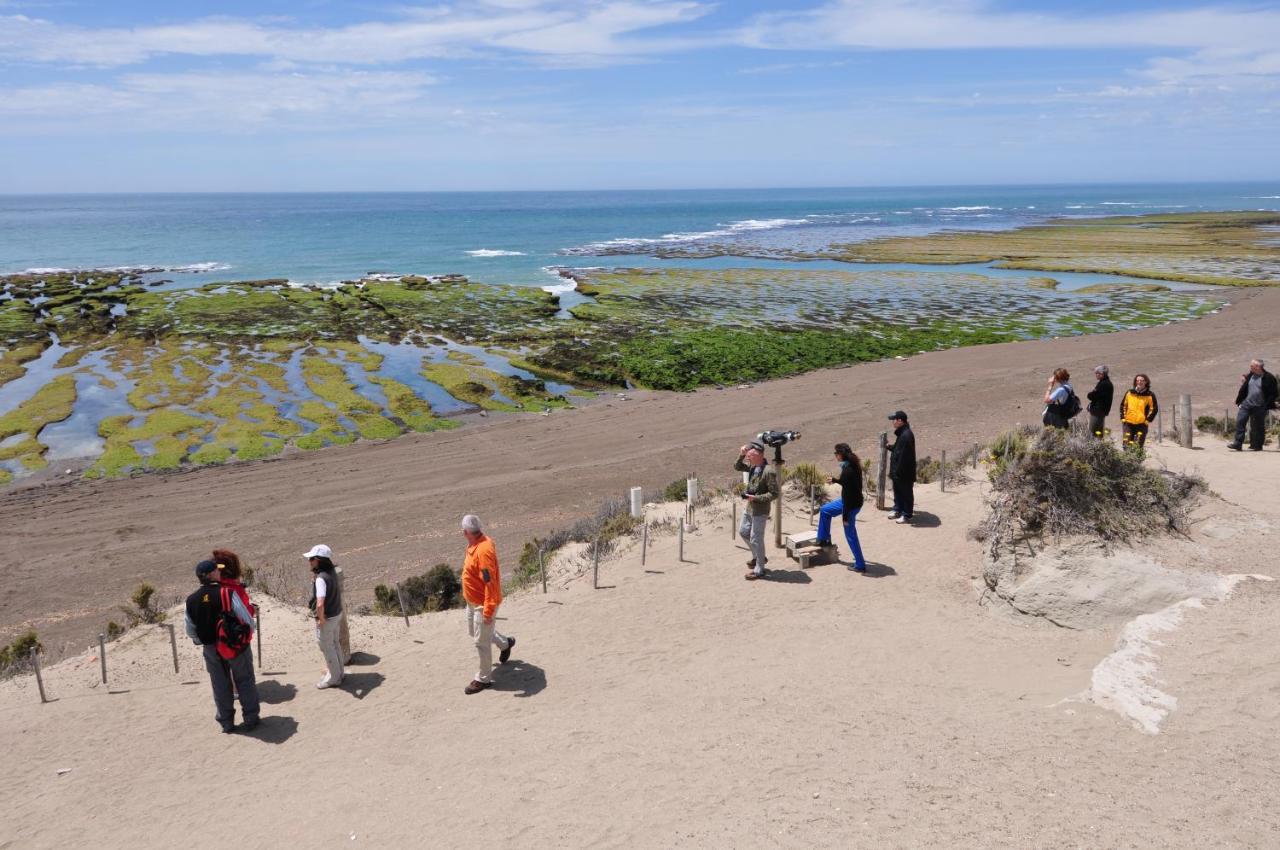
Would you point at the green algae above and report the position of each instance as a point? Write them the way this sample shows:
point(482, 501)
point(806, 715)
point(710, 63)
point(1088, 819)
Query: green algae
point(52, 403)
point(170, 375)
point(170, 433)
point(12, 361)
point(329, 382)
point(406, 406)
point(248, 428)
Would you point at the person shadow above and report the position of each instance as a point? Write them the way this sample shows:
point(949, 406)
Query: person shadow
point(787, 576)
point(521, 678)
point(274, 729)
point(876, 569)
point(362, 659)
point(360, 685)
point(924, 519)
point(274, 693)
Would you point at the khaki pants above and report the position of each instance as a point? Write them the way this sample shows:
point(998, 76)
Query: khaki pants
point(486, 637)
point(328, 636)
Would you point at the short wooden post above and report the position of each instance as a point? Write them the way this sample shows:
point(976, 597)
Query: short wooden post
point(733, 522)
point(1184, 421)
point(404, 609)
point(173, 646)
point(943, 469)
point(595, 566)
point(102, 655)
point(35, 663)
point(811, 519)
point(542, 568)
point(883, 473)
point(257, 633)
point(1159, 428)
point(644, 543)
point(680, 550)
point(975, 455)
point(1226, 422)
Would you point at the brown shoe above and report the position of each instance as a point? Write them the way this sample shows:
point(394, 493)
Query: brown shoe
point(476, 687)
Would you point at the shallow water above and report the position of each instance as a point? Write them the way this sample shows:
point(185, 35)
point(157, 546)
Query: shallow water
point(39, 372)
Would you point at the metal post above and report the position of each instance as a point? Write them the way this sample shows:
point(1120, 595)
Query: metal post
point(644, 543)
point(777, 511)
point(35, 662)
point(257, 632)
point(173, 645)
point(681, 549)
point(1184, 425)
point(542, 568)
point(883, 472)
point(102, 655)
point(733, 523)
point(595, 567)
point(404, 609)
point(943, 469)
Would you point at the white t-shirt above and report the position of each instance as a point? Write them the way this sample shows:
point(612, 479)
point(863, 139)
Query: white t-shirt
point(322, 587)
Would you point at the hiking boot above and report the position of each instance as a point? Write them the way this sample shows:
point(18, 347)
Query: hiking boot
point(250, 725)
point(476, 687)
point(1235, 447)
point(505, 655)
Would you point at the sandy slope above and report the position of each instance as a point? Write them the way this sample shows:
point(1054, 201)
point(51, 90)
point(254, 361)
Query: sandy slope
point(391, 509)
point(683, 706)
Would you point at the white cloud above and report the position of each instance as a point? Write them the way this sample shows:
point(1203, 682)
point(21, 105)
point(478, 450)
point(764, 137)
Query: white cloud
point(968, 24)
point(540, 27)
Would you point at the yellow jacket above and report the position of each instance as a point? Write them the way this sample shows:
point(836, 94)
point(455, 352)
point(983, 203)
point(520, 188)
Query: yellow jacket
point(1138, 408)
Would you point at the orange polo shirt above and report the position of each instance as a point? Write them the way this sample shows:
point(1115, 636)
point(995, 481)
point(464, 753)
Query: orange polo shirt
point(481, 580)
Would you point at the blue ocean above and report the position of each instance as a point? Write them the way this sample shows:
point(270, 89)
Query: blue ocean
point(520, 237)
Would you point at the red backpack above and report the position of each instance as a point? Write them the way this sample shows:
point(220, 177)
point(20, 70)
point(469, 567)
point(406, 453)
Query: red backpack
point(234, 635)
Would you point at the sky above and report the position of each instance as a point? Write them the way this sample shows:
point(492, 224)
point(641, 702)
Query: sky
point(314, 95)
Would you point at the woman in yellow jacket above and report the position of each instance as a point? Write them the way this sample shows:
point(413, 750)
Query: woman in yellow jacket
point(1137, 410)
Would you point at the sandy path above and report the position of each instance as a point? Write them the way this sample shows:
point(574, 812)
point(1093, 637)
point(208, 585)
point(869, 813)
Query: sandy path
point(683, 706)
point(390, 509)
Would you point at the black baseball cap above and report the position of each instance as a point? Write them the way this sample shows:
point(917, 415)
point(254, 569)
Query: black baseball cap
point(204, 568)
point(899, 414)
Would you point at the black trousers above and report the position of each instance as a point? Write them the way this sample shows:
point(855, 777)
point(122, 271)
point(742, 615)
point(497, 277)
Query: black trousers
point(904, 498)
point(1256, 419)
point(1097, 425)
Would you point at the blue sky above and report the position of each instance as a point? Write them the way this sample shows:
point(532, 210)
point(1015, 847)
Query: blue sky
point(579, 94)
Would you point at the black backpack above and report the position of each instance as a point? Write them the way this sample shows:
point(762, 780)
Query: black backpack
point(234, 636)
point(1070, 407)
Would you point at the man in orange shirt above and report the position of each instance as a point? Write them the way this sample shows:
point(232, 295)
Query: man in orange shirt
point(482, 588)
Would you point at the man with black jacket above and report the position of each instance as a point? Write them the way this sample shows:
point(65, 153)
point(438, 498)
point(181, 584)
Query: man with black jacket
point(1100, 402)
point(1256, 396)
point(902, 469)
point(204, 610)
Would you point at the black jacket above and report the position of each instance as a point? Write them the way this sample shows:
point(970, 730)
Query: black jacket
point(204, 609)
point(850, 489)
point(902, 459)
point(332, 594)
point(1101, 398)
point(1269, 390)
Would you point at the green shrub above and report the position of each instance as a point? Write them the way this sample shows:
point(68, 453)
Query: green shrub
point(16, 657)
point(114, 630)
point(676, 491)
point(929, 470)
point(437, 589)
point(806, 475)
point(143, 610)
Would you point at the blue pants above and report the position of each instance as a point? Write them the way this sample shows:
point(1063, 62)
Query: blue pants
point(833, 510)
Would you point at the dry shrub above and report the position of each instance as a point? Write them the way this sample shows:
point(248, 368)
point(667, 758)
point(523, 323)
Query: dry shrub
point(1064, 485)
point(610, 522)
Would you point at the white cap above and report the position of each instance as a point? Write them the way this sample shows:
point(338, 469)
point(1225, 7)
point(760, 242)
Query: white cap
point(320, 551)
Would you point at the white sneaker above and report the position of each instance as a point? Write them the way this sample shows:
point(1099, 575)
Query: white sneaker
point(324, 683)
point(893, 515)
point(902, 520)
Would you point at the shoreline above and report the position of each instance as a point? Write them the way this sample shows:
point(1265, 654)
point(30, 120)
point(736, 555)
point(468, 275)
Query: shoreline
point(390, 508)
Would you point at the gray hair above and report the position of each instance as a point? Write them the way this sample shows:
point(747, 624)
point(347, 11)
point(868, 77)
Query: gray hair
point(1261, 363)
point(1103, 369)
point(471, 522)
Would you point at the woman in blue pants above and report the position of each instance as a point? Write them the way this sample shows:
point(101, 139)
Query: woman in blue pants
point(846, 507)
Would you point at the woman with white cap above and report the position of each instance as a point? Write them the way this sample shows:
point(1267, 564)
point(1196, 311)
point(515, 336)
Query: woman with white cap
point(326, 605)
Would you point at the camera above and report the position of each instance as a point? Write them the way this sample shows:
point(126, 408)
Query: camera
point(777, 439)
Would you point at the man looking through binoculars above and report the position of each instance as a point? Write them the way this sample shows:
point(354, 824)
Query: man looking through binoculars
point(762, 489)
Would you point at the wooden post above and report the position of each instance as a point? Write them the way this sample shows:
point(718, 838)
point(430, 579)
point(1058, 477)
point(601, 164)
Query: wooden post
point(1159, 428)
point(404, 609)
point(1226, 423)
point(173, 645)
point(644, 543)
point(595, 566)
point(1185, 437)
point(257, 632)
point(102, 655)
point(811, 520)
point(733, 523)
point(975, 455)
point(943, 470)
point(344, 631)
point(35, 662)
point(542, 568)
point(680, 551)
point(883, 473)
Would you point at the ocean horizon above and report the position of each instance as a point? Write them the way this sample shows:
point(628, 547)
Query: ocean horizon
point(523, 237)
